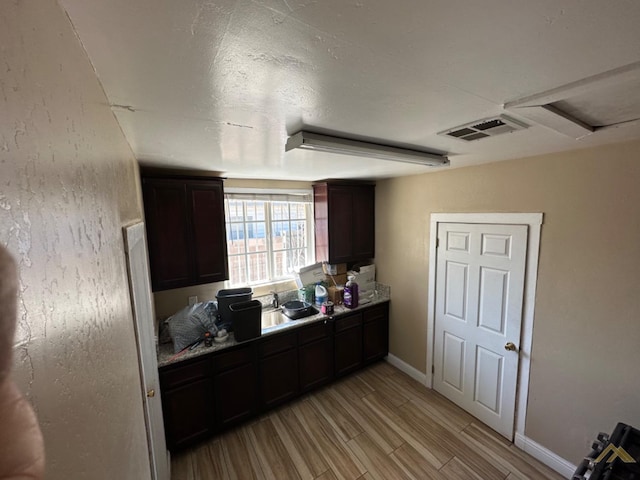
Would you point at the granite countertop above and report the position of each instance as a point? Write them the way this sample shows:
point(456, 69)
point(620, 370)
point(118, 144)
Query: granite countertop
point(166, 355)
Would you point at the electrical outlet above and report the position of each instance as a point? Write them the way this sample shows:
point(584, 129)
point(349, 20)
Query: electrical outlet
point(193, 300)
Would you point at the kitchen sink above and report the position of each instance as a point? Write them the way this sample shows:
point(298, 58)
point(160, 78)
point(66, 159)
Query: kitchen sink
point(269, 310)
point(288, 312)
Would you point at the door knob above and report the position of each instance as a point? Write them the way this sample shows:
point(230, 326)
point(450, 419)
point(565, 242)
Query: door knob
point(510, 346)
point(151, 393)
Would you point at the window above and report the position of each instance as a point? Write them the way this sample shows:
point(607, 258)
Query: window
point(269, 235)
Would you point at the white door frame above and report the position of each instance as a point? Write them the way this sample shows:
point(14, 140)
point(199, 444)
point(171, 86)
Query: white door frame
point(142, 309)
point(534, 222)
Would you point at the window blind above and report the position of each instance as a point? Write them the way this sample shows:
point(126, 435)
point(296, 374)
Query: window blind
point(269, 195)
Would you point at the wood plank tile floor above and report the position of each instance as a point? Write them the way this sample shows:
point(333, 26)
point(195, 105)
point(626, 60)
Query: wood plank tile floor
point(376, 424)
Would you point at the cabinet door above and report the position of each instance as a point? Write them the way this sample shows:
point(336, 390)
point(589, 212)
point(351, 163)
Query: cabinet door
point(165, 204)
point(347, 344)
point(278, 378)
point(209, 237)
point(188, 413)
point(348, 350)
point(363, 223)
point(376, 333)
point(235, 395)
point(340, 210)
point(344, 222)
point(316, 363)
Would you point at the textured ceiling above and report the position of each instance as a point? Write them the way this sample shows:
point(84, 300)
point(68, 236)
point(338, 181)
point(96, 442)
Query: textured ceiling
point(219, 85)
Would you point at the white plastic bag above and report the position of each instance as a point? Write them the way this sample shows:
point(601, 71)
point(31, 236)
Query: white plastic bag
point(191, 323)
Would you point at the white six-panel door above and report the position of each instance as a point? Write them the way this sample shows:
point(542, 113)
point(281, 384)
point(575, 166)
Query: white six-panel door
point(479, 292)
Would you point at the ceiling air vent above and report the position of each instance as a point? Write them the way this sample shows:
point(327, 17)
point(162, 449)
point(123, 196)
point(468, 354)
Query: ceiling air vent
point(488, 127)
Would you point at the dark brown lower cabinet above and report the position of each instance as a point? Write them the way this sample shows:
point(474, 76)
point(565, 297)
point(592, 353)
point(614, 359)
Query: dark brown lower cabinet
point(375, 333)
point(235, 383)
point(188, 383)
point(315, 356)
point(347, 343)
point(278, 366)
point(188, 425)
point(278, 378)
point(206, 395)
point(235, 395)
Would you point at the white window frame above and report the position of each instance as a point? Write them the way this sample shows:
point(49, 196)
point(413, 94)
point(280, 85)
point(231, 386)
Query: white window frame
point(309, 225)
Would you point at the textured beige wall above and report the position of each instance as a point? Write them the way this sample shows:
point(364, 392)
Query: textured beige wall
point(587, 330)
point(68, 183)
point(171, 301)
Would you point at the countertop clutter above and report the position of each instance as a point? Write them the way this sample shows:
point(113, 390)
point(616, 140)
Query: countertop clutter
point(273, 321)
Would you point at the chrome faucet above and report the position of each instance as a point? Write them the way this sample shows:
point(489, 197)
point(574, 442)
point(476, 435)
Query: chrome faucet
point(275, 301)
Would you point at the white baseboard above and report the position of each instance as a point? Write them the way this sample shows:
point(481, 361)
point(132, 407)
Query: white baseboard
point(546, 456)
point(408, 369)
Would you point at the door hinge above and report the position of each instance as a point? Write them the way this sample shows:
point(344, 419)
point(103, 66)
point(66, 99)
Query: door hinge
point(433, 369)
point(437, 242)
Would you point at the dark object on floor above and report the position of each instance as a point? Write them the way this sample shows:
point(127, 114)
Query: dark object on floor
point(615, 457)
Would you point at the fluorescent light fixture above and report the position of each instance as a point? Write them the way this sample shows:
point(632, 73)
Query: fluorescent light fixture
point(344, 146)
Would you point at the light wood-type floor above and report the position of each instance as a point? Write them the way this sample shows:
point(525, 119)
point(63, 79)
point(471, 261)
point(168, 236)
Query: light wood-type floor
point(376, 424)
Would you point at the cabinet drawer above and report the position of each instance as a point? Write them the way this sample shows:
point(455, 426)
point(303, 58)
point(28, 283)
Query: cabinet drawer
point(183, 374)
point(347, 322)
point(314, 332)
point(281, 343)
point(375, 313)
point(235, 358)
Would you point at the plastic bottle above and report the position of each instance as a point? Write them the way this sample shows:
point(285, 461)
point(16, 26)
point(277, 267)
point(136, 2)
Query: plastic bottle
point(351, 293)
point(321, 294)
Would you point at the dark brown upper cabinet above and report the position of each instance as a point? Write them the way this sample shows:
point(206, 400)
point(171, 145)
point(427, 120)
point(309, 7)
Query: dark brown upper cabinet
point(185, 230)
point(344, 222)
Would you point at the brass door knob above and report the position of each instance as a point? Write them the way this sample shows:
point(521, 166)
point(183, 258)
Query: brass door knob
point(510, 346)
point(151, 393)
